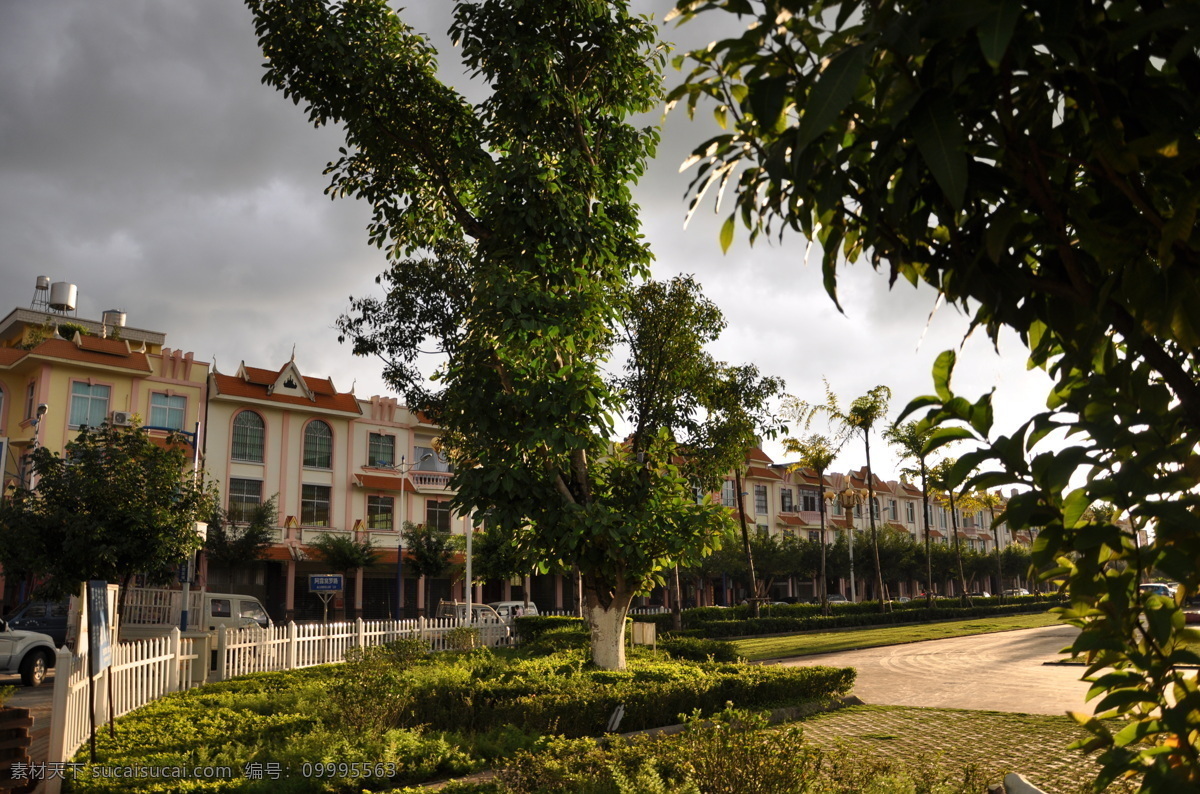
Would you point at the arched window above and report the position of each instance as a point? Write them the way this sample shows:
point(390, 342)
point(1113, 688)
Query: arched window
point(318, 445)
point(248, 435)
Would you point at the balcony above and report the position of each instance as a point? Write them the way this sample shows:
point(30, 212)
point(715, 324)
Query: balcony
point(430, 480)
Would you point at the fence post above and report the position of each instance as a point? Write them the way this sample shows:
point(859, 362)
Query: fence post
point(64, 668)
point(290, 653)
point(421, 627)
point(220, 665)
point(173, 672)
point(361, 639)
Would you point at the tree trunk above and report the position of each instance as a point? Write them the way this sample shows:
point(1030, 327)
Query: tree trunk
point(883, 605)
point(821, 507)
point(755, 604)
point(962, 579)
point(607, 626)
point(677, 606)
point(928, 549)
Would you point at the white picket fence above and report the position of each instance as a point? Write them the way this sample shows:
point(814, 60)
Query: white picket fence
point(145, 670)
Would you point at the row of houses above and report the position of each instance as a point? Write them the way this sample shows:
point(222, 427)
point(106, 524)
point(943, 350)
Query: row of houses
point(334, 462)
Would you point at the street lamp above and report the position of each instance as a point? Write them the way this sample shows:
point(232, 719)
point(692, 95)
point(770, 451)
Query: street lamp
point(404, 469)
point(34, 443)
point(850, 499)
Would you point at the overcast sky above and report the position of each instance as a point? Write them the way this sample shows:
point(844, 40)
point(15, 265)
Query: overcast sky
point(142, 159)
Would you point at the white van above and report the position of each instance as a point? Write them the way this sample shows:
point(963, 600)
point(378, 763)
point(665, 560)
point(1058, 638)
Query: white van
point(508, 610)
point(153, 613)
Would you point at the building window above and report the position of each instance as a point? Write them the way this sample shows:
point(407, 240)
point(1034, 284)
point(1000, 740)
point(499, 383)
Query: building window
point(248, 433)
point(837, 507)
point(244, 496)
point(167, 411)
point(1, 409)
point(814, 535)
point(89, 404)
point(314, 505)
point(763, 531)
point(30, 397)
point(809, 500)
point(892, 510)
point(858, 510)
point(380, 510)
point(942, 518)
point(318, 445)
point(437, 515)
point(875, 508)
point(912, 512)
point(381, 450)
point(785, 500)
point(437, 461)
point(728, 497)
point(760, 500)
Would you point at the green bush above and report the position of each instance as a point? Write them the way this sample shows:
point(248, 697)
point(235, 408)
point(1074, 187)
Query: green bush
point(370, 694)
point(698, 649)
point(531, 627)
point(463, 638)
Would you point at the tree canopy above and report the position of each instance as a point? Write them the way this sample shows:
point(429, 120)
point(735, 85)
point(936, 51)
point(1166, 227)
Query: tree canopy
point(512, 238)
point(114, 505)
point(1037, 163)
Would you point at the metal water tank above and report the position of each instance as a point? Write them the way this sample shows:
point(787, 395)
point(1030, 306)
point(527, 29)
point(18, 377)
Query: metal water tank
point(113, 318)
point(43, 283)
point(62, 296)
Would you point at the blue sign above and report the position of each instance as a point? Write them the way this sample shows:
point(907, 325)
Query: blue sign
point(99, 641)
point(185, 571)
point(324, 582)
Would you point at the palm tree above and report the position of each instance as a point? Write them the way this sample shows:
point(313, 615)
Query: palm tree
point(860, 417)
point(910, 440)
point(991, 501)
point(345, 554)
point(817, 453)
point(941, 480)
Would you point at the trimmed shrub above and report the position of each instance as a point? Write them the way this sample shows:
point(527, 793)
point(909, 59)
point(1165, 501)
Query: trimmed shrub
point(531, 627)
point(698, 649)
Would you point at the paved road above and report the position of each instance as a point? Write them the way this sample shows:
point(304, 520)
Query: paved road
point(998, 672)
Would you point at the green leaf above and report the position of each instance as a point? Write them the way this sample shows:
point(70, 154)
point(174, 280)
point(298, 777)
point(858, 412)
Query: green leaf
point(943, 369)
point(727, 234)
point(1074, 506)
point(767, 100)
point(939, 138)
point(996, 31)
point(833, 90)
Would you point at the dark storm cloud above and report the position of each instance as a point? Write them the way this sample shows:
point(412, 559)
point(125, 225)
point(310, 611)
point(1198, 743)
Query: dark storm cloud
point(141, 158)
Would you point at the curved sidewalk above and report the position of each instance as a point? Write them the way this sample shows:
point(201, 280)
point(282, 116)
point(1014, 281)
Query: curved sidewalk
point(1006, 671)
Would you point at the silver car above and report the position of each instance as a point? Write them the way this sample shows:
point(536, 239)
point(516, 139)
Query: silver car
point(26, 653)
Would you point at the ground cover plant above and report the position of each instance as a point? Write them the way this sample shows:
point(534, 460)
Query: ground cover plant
point(395, 715)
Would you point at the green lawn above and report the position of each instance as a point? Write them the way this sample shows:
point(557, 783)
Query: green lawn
point(759, 648)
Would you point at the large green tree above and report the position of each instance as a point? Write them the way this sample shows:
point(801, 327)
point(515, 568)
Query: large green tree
point(1037, 163)
point(512, 235)
point(114, 505)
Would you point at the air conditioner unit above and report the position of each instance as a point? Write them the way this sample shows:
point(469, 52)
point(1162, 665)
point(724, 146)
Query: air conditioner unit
point(122, 418)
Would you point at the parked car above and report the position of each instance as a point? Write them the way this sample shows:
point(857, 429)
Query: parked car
point(1158, 588)
point(836, 598)
point(1018, 591)
point(513, 609)
point(480, 613)
point(26, 653)
point(43, 617)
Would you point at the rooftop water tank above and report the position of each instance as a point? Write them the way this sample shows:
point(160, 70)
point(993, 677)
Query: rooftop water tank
point(62, 296)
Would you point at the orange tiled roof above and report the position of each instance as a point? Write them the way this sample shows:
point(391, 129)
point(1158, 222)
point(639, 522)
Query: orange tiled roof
point(114, 347)
point(67, 351)
point(11, 355)
point(763, 473)
point(791, 520)
point(933, 533)
point(233, 386)
point(757, 454)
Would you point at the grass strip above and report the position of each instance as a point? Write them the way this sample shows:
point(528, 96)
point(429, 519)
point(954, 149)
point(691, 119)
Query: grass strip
point(759, 648)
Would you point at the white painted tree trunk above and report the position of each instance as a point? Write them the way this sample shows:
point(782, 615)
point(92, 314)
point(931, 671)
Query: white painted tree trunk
point(608, 629)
